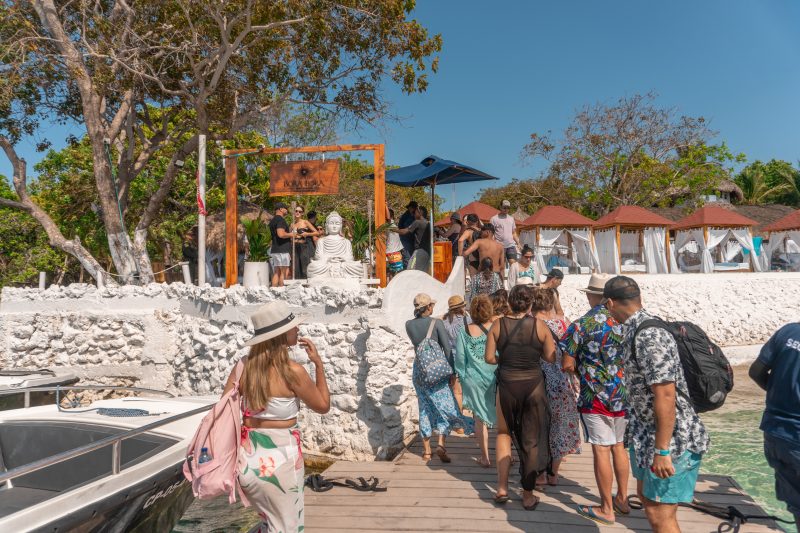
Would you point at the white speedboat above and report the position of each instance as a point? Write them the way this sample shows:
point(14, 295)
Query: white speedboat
point(21, 380)
point(112, 466)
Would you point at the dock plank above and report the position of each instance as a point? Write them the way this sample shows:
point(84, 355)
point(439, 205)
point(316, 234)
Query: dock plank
point(459, 497)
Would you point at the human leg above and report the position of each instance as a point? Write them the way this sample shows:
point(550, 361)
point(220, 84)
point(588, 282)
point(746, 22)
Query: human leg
point(604, 476)
point(502, 451)
point(622, 468)
point(784, 457)
point(663, 517)
point(482, 434)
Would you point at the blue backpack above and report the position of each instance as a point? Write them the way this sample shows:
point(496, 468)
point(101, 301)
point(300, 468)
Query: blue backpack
point(430, 361)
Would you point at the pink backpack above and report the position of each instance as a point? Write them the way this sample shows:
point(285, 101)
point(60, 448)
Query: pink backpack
point(220, 432)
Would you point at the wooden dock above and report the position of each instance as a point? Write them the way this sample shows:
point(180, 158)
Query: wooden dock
point(459, 497)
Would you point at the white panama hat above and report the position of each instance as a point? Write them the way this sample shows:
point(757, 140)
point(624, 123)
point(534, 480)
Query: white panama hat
point(271, 320)
point(596, 284)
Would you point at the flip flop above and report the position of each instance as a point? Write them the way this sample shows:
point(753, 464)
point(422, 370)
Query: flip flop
point(427, 457)
point(634, 503)
point(372, 484)
point(618, 509)
point(317, 483)
point(501, 499)
point(587, 511)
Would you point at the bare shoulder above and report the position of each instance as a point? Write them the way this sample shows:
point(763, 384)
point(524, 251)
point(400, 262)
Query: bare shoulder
point(297, 368)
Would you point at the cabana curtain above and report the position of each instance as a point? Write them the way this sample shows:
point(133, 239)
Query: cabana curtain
point(547, 238)
point(746, 240)
point(655, 253)
point(587, 256)
point(608, 255)
point(581, 252)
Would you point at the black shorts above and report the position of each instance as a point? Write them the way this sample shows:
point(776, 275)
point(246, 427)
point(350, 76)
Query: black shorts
point(784, 457)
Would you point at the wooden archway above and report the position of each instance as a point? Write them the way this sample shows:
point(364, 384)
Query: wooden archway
point(232, 192)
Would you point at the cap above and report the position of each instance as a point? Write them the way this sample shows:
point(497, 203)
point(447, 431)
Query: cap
point(280, 205)
point(454, 302)
point(455, 216)
point(422, 300)
point(555, 273)
point(505, 203)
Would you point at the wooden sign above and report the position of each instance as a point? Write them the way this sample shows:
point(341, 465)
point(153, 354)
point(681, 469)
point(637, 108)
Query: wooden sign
point(309, 178)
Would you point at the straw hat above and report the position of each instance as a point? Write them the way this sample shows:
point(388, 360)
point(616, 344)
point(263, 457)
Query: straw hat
point(596, 284)
point(422, 300)
point(271, 320)
point(455, 302)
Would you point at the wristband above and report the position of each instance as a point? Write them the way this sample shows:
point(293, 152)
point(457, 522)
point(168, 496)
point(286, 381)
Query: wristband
point(662, 453)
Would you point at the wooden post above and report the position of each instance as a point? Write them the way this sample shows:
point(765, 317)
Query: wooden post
point(231, 221)
point(536, 252)
point(619, 250)
point(379, 153)
point(593, 251)
point(293, 268)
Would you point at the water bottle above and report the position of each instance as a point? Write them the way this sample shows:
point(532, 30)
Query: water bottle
point(204, 456)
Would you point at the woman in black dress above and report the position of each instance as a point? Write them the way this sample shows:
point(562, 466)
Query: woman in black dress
point(516, 344)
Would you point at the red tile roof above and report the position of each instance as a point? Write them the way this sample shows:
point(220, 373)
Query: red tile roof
point(484, 212)
point(790, 221)
point(631, 215)
point(714, 216)
point(555, 216)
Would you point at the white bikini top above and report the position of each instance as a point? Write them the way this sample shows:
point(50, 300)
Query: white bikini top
point(279, 409)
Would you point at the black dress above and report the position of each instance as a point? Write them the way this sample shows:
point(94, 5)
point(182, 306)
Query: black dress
point(523, 396)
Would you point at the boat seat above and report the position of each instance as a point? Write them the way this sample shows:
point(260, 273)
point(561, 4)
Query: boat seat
point(18, 498)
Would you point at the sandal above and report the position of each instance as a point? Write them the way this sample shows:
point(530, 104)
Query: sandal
point(427, 457)
point(587, 511)
point(553, 483)
point(532, 506)
point(441, 453)
point(618, 508)
point(500, 499)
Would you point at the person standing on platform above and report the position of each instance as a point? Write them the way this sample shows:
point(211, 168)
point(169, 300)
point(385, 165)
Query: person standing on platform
point(421, 231)
point(303, 253)
point(394, 247)
point(406, 219)
point(592, 347)
point(486, 281)
point(488, 248)
point(777, 371)
point(280, 255)
point(524, 268)
point(505, 232)
point(665, 436)
point(454, 231)
point(455, 320)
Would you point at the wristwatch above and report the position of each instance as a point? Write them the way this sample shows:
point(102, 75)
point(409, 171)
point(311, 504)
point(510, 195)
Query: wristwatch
point(662, 453)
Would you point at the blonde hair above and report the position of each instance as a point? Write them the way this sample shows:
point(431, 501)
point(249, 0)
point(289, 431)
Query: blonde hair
point(266, 359)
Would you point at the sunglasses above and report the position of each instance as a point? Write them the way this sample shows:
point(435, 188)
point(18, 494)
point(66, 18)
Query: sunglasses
point(528, 256)
point(298, 211)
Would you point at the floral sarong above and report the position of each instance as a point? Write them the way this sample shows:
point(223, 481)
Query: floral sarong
point(271, 474)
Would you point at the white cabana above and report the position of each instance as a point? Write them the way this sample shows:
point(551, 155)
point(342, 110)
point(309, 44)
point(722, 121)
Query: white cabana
point(715, 239)
point(561, 239)
point(632, 239)
point(782, 250)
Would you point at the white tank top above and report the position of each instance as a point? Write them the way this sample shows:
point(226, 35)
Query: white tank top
point(279, 409)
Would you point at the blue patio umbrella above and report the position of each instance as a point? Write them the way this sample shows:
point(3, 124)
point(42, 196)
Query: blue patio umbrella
point(430, 172)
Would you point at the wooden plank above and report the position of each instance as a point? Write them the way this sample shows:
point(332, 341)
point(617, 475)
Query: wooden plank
point(302, 149)
point(231, 223)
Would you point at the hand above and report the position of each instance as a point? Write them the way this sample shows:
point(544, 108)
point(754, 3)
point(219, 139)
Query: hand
point(311, 350)
point(662, 466)
point(567, 363)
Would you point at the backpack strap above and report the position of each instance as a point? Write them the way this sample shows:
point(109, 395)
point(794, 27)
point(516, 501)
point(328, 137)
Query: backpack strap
point(464, 319)
point(430, 328)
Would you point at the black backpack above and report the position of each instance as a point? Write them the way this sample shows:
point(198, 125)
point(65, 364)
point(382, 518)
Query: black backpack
point(709, 376)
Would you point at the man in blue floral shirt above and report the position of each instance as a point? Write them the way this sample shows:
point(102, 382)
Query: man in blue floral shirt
point(594, 344)
point(666, 437)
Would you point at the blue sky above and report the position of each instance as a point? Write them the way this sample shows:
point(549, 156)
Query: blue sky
point(511, 68)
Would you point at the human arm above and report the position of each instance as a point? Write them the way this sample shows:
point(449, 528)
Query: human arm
point(548, 343)
point(664, 409)
point(490, 355)
point(759, 372)
point(315, 393)
point(471, 249)
point(569, 345)
point(761, 369)
point(515, 235)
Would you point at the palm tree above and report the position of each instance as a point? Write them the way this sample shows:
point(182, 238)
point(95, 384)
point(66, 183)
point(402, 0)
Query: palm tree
point(757, 190)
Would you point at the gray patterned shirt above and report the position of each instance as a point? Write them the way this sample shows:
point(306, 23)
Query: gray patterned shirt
point(657, 361)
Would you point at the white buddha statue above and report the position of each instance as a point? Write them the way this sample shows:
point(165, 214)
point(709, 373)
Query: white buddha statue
point(333, 257)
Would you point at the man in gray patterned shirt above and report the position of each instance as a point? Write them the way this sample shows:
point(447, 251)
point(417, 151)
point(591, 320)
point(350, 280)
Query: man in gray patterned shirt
point(665, 436)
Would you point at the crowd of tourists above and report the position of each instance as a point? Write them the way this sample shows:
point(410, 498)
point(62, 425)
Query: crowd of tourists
point(521, 367)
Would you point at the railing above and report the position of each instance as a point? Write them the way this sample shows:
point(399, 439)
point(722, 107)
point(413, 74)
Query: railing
point(26, 391)
point(115, 441)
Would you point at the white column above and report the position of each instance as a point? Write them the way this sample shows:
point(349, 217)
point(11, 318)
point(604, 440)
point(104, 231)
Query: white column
point(201, 219)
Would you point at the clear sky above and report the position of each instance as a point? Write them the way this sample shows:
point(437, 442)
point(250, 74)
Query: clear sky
point(511, 68)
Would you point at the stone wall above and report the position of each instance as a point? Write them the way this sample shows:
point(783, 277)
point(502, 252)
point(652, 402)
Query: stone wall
point(186, 340)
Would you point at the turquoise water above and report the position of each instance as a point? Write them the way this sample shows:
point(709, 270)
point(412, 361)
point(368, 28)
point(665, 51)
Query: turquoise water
point(737, 450)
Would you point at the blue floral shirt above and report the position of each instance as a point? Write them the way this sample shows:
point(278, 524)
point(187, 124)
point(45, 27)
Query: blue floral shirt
point(595, 341)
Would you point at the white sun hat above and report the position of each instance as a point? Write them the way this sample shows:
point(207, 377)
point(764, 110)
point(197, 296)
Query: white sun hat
point(271, 320)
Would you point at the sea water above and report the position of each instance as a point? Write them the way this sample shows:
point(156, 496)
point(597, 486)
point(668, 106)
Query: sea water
point(737, 450)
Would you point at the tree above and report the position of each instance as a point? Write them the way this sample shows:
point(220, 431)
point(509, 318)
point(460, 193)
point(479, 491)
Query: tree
point(532, 194)
point(773, 182)
point(146, 80)
point(630, 153)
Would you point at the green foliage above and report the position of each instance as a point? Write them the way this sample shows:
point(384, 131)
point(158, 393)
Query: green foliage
point(24, 247)
point(773, 182)
point(259, 239)
point(360, 235)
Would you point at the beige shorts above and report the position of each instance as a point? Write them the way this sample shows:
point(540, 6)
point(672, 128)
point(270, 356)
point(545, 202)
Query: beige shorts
point(603, 430)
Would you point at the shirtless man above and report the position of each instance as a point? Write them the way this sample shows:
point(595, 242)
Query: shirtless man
point(472, 230)
point(487, 246)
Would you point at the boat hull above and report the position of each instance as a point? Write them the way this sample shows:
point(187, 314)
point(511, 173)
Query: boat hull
point(154, 505)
